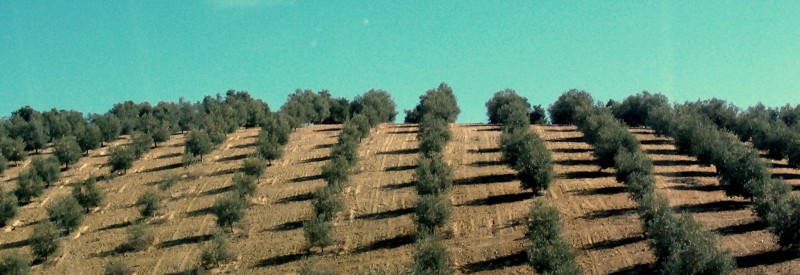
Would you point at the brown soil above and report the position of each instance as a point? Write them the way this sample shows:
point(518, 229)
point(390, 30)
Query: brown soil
point(375, 232)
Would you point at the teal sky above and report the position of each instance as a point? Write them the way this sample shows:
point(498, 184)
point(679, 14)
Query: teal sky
point(87, 55)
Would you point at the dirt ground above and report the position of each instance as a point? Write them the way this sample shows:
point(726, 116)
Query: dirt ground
point(374, 233)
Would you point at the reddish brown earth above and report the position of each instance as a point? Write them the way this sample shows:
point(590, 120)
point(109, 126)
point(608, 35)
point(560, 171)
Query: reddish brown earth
point(485, 235)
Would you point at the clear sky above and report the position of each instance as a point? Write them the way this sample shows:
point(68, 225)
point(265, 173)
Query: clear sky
point(87, 55)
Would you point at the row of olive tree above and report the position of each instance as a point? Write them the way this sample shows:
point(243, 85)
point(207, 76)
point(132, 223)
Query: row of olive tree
point(739, 168)
point(369, 110)
point(678, 242)
point(434, 178)
point(549, 252)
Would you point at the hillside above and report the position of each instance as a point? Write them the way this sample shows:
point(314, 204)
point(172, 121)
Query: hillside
point(486, 232)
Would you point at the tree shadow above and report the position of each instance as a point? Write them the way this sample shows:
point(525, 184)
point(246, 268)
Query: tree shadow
point(741, 228)
point(552, 130)
point(279, 260)
point(400, 168)
point(400, 152)
point(317, 159)
point(647, 268)
point(232, 158)
point(165, 167)
point(324, 146)
point(246, 145)
point(16, 244)
point(306, 178)
point(668, 152)
point(700, 188)
point(217, 191)
point(287, 226)
point(490, 129)
point(487, 179)
point(399, 185)
point(586, 175)
point(570, 162)
point(168, 156)
point(609, 190)
point(225, 172)
point(655, 141)
point(688, 174)
point(483, 150)
point(488, 163)
point(296, 198)
point(716, 206)
point(764, 258)
point(608, 213)
point(186, 240)
point(608, 244)
point(199, 212)
point(328, 130)
point(404, 132)
point(572, 150)
point(674, 162)
point(115, 226)
point(567, 139)
point(500, 199)
point(389, 243)
point(387, 214)
point(516, 259)
point(786, 176)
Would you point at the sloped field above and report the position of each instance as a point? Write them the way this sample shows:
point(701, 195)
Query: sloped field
point(486, 234)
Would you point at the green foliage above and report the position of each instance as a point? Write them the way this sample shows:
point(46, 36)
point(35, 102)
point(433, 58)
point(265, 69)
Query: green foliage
point(254, 166)
point(29, 128)
point(218, 251)
point(307, 106)
point(3, 164)
point(87, 194)
point(8, 207)
point(139, 238)
point(570, 106)
point(28, 187)
point(327, 202)
point(141, 143)
point(430, 256)
point(67, 150)
point(549, 252)
point(317, 231)
point(198, 143)
point(362, 123)
point(738, 165)
point(160, 133)
point(268, 146)
point(278, 126)
point(783, 219)
point(433, 135)
point(337, 171)
point(608, 136)
point(115, 267)
point(377, 105)
point(440, 103)
point(150, 203)
point(535, 167)
point(44, 239)
point(12, 149)
point(228, 209)
point(66, 213)
point(167, 181)
point(121, 158)
point(244, 185)
point(639, 185)
point(89, 138)
point(635, 109)
point(109, 126)
point(15, 263)
point(346, 148)
point(45, 170)
point(188, 159)
point(629, 162)
point(538, 115)
point(433, 175)
point(433, 211)
point(516, 108)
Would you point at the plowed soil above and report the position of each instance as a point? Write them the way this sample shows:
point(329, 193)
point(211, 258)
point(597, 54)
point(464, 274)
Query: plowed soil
point(486, 234)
